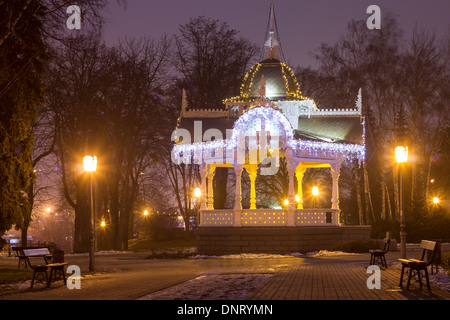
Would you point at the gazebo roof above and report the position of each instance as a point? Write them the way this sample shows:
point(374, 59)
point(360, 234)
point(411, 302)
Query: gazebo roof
point(347, 130)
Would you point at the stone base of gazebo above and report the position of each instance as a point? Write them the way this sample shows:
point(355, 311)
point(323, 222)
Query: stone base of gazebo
point(281, 240)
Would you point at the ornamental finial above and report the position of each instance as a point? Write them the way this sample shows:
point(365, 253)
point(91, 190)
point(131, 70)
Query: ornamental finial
point(183, 102)
point(271, 45)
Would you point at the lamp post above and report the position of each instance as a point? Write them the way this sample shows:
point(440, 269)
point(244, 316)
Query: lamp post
point(90, 165)
point(401, 156)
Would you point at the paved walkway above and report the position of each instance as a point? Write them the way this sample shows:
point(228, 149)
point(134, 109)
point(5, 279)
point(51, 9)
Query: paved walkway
point(321, 279)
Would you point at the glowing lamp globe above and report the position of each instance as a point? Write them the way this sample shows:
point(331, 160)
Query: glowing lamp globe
point(315, 191)
point(401, 154)
point(90, 163)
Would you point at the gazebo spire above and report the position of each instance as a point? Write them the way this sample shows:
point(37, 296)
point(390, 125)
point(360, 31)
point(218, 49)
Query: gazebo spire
point(271, 45)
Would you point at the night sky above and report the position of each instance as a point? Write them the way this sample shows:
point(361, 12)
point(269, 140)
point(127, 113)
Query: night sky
point(302, 25)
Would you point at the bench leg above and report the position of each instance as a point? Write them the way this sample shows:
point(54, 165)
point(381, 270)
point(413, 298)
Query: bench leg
point(420, 277)
point(409, 278)
point(384, 261)
point(32, 280)
point(401, 276)
point(428, 279)
point(64, 275)
point(49, 280)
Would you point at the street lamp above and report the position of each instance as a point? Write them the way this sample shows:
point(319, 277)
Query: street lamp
point(401, 156)
point(315, 192)
point(90, 165)
point(435, 200)
point(145, 212)
point(197, 192)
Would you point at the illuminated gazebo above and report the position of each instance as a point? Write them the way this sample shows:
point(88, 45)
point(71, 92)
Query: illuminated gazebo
point(270, 119)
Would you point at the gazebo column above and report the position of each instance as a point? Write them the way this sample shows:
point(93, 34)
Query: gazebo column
point(210, 203)
point(299, 175)
point(203, 175)
point(237, 192)
point(335, 173)
point(335, 190)
point(291, 196)
point(252, 173)
point(237, 196)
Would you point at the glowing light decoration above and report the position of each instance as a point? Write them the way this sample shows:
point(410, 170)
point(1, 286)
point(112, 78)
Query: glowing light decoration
point(185, 151)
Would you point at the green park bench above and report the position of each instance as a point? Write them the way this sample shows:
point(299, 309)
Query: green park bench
point(43, 256)
point(416, 266)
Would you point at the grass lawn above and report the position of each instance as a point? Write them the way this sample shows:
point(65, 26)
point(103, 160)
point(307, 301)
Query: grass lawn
point(12, 275)
point(144, 245)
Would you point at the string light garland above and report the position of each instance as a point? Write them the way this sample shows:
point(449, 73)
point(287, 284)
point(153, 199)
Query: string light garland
point(218, 148)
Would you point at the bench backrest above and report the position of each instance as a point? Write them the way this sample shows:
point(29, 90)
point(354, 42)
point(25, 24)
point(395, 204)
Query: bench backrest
point(36, 252)
point(387, 242)
point(427, 245)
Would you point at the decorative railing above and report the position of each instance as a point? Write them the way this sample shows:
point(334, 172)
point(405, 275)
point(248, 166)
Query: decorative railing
point(263, 218)
point(269, 217)
point(316, 217)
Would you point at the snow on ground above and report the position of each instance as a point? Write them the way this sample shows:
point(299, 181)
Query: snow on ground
point(213, 287)
point(98, 253)
point(321, 253)
point(441, 280)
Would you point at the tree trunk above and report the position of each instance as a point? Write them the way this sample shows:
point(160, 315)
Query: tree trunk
point(388, 199)
point(367, 198)
point(358, 197)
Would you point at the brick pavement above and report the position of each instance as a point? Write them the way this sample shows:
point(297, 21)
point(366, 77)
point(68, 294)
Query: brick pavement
point(331, 280)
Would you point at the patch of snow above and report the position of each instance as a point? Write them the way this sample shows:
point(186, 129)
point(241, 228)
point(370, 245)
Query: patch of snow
point(326, 253)
point(98, 253)
point(440, 279)
point(249, 256)
point(213, 287)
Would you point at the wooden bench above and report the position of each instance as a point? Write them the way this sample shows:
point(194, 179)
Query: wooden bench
point(20, 255)
point(43, 255)
point(418, 265)
point(380, 254)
